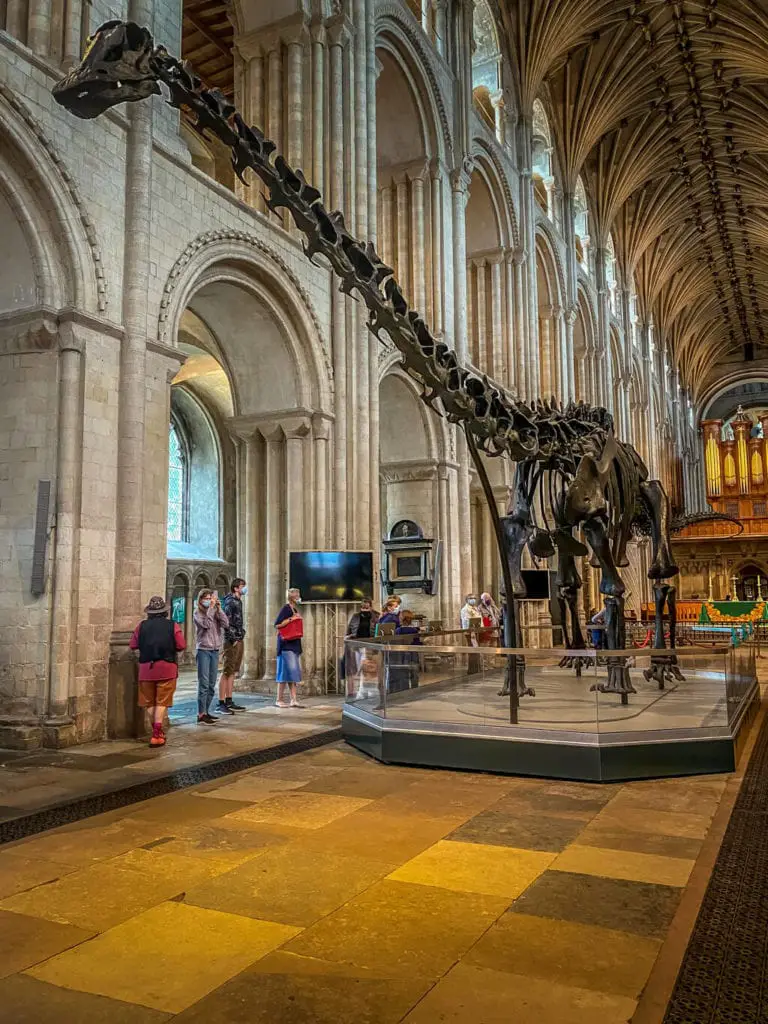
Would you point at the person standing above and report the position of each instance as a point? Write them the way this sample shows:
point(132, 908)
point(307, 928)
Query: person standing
point(158, 641)
point(290, 629)
point(491, 616)
point(404, 671)
point(232, 651)
point(361, 626)
point(391, 613)
point(210, 623)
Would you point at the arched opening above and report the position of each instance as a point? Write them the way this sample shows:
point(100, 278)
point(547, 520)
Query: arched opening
point(410, 188)
point(581, 225)
point(486, 58)
point(248, 442)
point(487, 296)
point(416, 481)
point(551, 370)
point(541, 160)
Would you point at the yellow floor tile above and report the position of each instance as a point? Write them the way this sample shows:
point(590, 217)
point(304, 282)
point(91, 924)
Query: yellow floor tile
point(18, 873)
point(567, 952)
point(167, 958)
point(474, 867)
point(634, 867)
point(104, 894)
point(251, 788)
point(287, 886)
point(400, 929)
point(468, 995)
point(88, 841)
point(302, 810)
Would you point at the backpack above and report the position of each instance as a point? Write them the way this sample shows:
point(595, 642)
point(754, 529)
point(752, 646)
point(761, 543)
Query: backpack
point(157, 641)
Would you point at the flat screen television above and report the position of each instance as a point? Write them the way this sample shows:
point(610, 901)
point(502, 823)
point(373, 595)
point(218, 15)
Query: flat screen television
point(331, 575)
point(537, 584)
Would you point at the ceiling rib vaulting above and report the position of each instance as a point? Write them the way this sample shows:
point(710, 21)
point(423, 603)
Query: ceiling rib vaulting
point(661, 106)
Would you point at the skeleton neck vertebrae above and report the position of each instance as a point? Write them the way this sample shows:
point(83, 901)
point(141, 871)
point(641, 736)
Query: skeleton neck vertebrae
point(592, 481)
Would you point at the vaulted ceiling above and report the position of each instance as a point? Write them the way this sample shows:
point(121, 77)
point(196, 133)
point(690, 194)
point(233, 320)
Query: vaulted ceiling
point(662, 106)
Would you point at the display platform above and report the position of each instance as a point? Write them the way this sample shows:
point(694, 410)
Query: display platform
point(441, 707)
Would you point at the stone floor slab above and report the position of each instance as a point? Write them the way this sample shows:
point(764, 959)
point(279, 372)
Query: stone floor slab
point(298, 809)
point(167, 958)
point(635, 867)
point(233, 844)
point(25, 941)
point(470, 995)
point(568, 953)
point(283, 988)
point(18, 873)
point(650, 819)
point(89, 841)
point(285, 885)
point(474, 867)
point(607, 835)
point(400, 929)
point(612, 903)
point(104, 894)
point(27, 1001)
point(249, 789)
point(522, 831)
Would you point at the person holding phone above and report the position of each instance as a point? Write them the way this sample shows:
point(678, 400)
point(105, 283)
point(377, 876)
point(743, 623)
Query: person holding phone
point(210, 623)
point(290, 630)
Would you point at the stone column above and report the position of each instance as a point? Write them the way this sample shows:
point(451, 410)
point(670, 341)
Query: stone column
point(295, 41)
point(59, 729)
point(275, 541)
point(275, 87)
point(39, 24)
point(460, 190)
point(254, 512)
point(483, 357)
point(499, 115)
point(569, 369)
point(545, 352)
point(403, 235)
point(338, 35)
point(418, 245)
point(521, 354)
point(436, 218)
point(497, 327)
point(130, 474)
point(318, 106)
point(385, 225)
point(16, 19)
point(440, 12)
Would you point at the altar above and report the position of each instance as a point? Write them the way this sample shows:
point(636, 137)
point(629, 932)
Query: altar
point(732, 612)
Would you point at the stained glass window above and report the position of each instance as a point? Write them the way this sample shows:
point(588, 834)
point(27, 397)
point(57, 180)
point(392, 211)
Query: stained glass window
point(177, 486)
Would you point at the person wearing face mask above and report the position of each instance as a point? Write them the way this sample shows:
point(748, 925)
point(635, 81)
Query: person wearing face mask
point(290, 629)
point(210, 623)
point(361, 626)
point(232, 651)
point(472, 620)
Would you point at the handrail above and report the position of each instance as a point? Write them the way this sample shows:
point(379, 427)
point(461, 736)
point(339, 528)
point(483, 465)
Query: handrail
point(385, 643)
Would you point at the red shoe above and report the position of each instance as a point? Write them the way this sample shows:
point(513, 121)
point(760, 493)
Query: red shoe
point(158, 736)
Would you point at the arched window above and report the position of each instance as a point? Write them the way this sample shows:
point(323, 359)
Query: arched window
point(486, 59)
point(194, 480)
point(178, 486)
point(541, 159)
point(581, 224)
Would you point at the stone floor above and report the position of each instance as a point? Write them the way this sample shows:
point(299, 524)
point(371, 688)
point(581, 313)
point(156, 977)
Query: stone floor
point(36, 780)
point(326, 888)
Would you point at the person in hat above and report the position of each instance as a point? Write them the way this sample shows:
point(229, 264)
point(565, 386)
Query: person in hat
point(158, 641)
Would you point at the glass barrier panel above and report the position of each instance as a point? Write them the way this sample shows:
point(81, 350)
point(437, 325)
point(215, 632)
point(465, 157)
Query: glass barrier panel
point(678, 694)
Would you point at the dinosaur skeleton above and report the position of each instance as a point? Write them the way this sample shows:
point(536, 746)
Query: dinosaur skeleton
point(568, 457)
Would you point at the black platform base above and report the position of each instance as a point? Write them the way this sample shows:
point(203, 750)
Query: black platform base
point(586, 758)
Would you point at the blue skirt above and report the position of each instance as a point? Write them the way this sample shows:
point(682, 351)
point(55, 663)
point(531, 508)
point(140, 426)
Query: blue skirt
point(288, 667)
